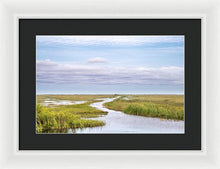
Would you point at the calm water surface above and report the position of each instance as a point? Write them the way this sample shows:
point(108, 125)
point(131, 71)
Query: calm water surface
point(119, 122)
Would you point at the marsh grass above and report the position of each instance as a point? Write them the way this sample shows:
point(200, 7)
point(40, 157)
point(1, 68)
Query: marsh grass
point(154, 110)
point(161, 106)
point(82, 110)
point(61, 117)
point(47, 119)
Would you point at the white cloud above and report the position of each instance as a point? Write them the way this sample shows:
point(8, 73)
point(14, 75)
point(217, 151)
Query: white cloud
point(97, 60)
point(49, 72)
point(108, 40)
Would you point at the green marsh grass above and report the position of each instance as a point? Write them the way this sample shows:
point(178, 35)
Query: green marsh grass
point(82, 110)
point(161, 106)
point(58, 117)
point(48, 119)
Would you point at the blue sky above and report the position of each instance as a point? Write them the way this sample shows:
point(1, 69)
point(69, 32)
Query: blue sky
point(110, 64)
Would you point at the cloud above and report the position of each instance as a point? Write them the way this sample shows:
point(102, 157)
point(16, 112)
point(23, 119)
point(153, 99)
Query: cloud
point(49, 72)
point(108, 40)
point(97, 60)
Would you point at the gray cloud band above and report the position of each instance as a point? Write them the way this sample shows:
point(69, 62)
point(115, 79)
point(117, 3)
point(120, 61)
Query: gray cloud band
point(53, 73)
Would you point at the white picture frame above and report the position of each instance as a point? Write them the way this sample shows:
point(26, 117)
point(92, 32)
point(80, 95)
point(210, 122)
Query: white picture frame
point(12, 10)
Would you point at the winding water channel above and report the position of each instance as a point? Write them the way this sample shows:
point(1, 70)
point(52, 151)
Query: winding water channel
point(119, 122)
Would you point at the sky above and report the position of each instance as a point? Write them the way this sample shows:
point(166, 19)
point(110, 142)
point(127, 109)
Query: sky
point(110, 64)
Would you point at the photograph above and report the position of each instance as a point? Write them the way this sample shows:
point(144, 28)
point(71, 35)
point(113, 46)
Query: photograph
point(110, 84)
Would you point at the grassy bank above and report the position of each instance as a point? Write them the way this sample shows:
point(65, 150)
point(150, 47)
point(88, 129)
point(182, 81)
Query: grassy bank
point(58, 117)
point(161, 106)
point(81, 110)
point(48, 119)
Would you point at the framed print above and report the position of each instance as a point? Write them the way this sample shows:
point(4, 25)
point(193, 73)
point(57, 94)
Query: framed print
point(122, 84)
point(31, 155)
